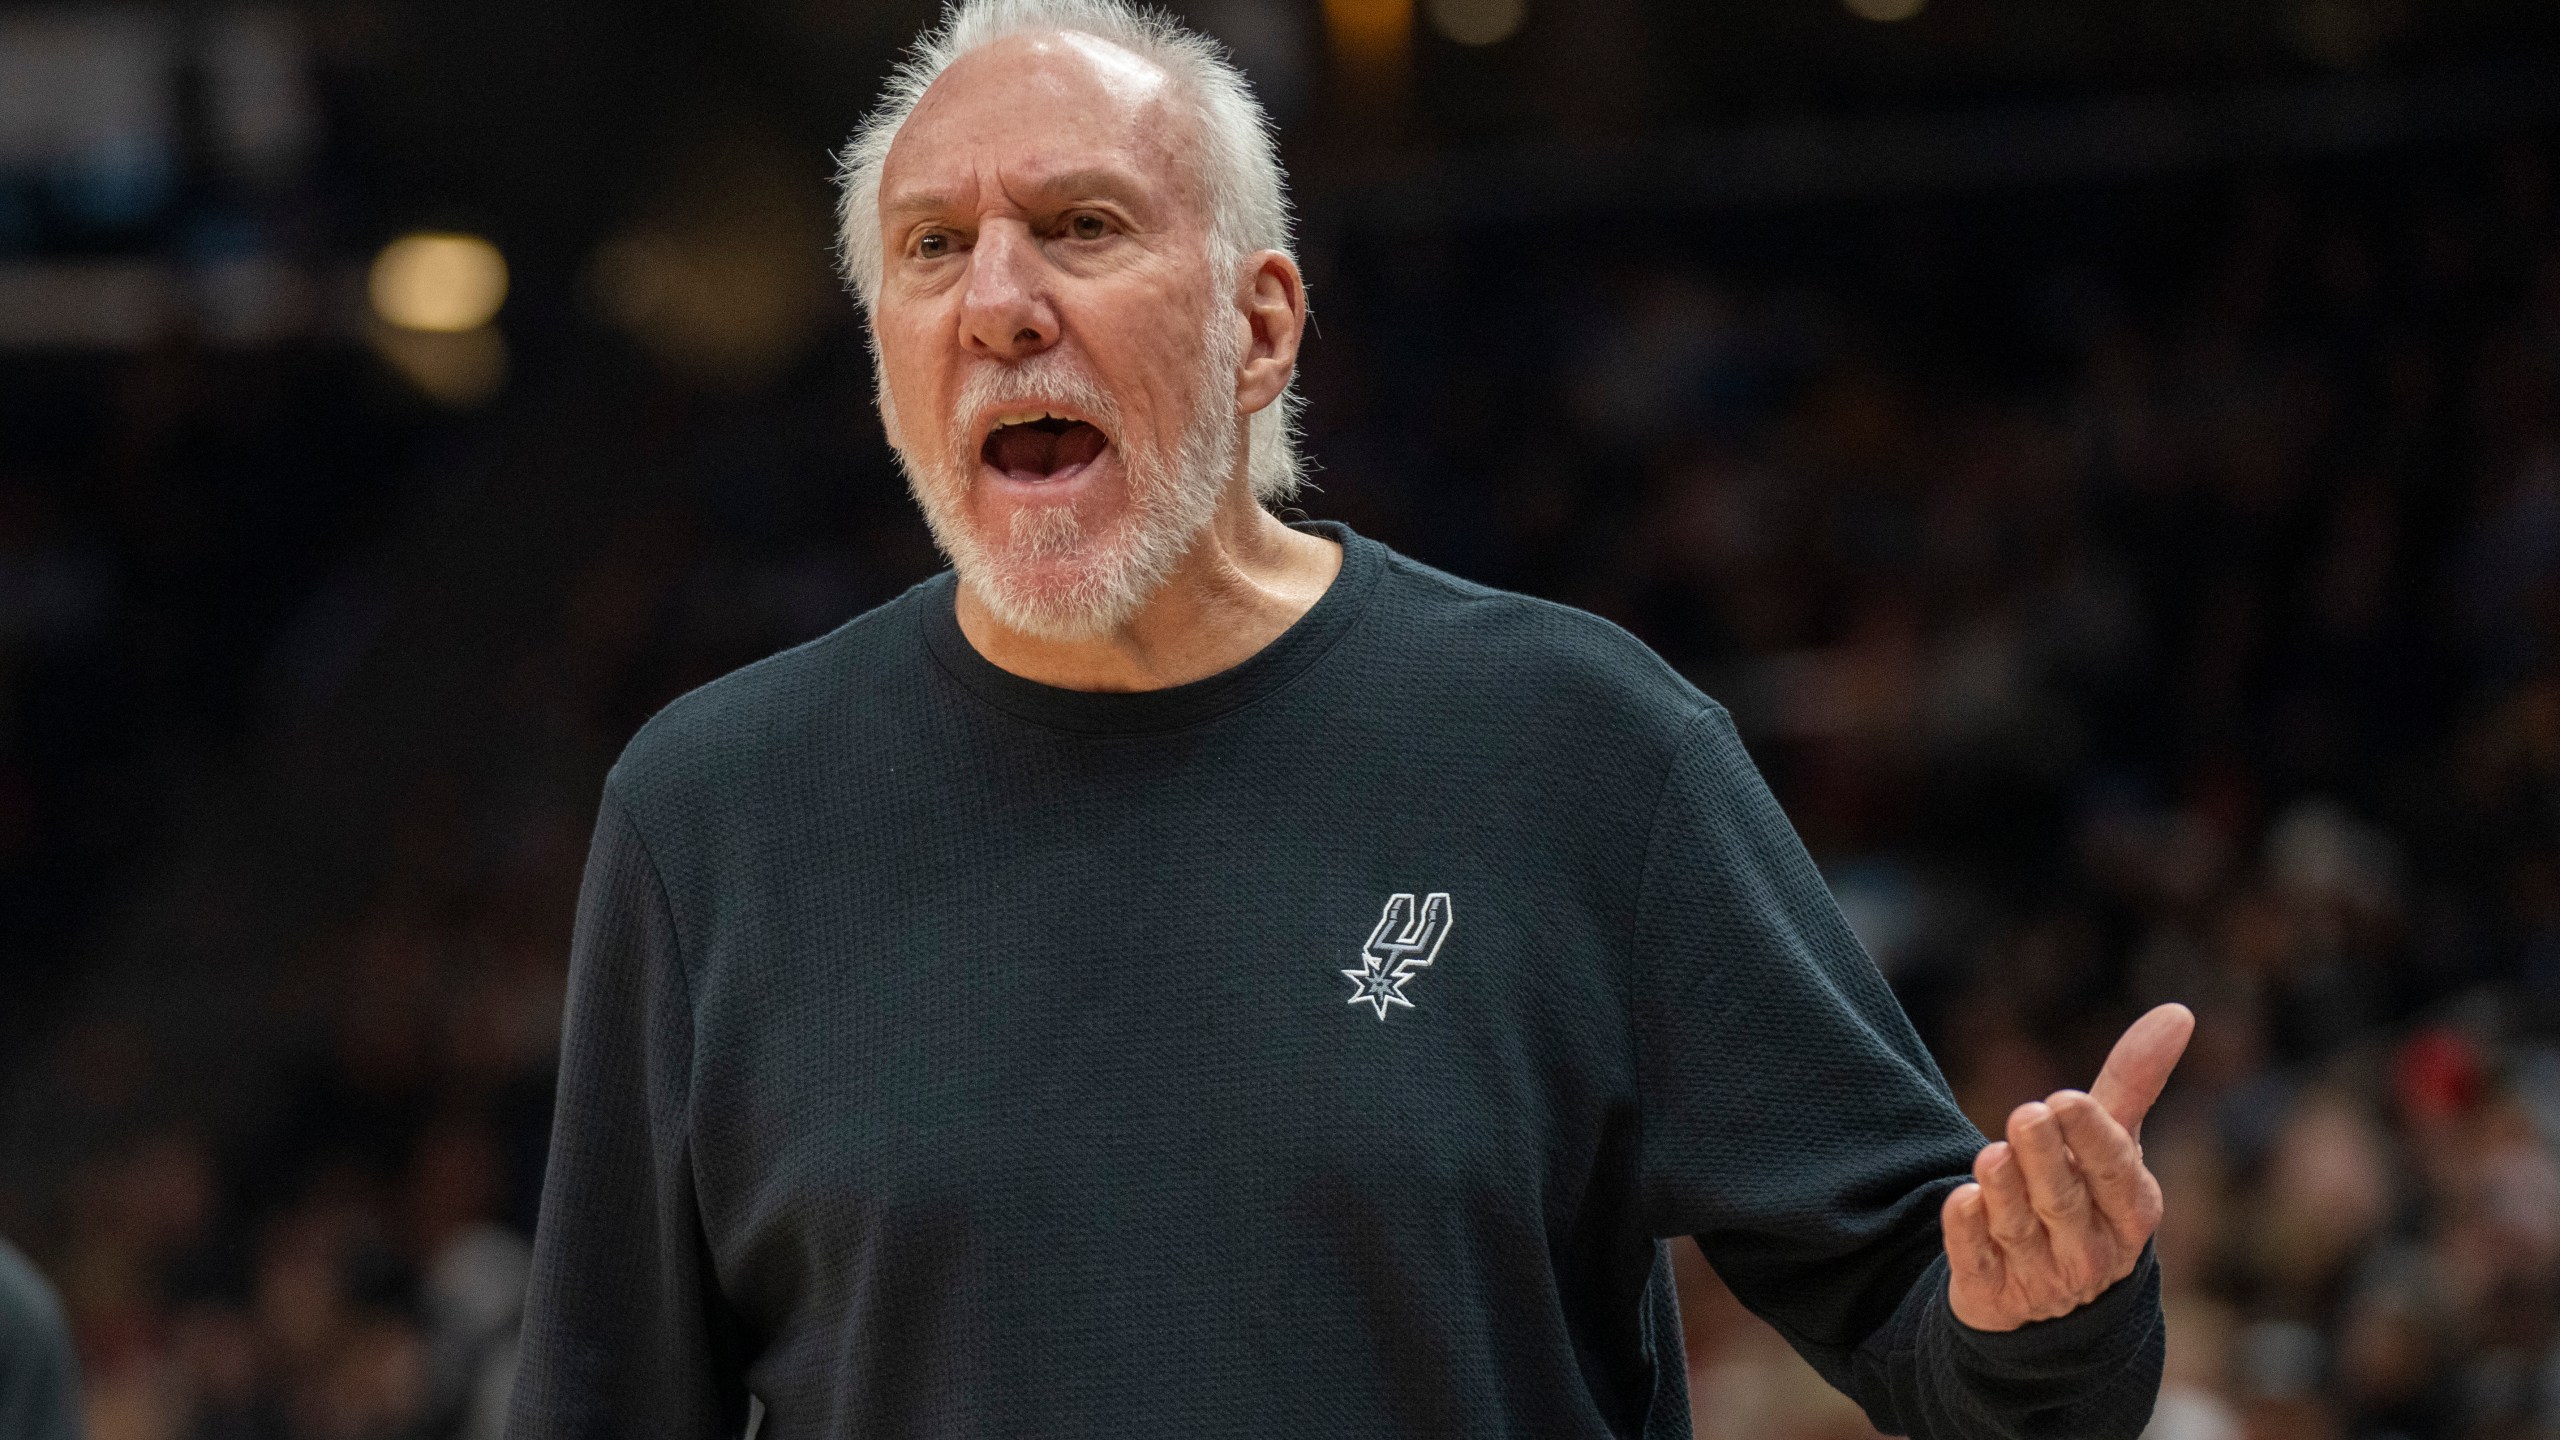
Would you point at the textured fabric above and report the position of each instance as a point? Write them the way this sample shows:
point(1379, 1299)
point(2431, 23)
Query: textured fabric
point(39, 1377)
point(1321, 1049)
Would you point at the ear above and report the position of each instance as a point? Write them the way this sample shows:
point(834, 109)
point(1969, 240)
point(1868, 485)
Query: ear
point(1274, 300)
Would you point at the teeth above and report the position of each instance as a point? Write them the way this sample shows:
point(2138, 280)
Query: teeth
point(1026, 417)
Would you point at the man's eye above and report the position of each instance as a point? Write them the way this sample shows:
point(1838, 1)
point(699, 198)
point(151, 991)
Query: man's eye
point(933, 244)
point(1088, 227)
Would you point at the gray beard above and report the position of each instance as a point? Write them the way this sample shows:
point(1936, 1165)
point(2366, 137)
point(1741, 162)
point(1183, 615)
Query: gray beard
point(1096, 579)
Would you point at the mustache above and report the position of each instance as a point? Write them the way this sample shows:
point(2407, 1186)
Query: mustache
point(1051, 376)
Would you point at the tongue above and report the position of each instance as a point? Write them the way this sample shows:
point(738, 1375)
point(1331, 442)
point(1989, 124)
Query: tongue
point(1030, 452)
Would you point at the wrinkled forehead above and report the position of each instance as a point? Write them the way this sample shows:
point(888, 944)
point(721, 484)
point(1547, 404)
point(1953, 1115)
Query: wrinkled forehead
point(1042, 104)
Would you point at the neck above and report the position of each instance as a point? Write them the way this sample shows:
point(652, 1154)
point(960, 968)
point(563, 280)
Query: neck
point(1246, 579)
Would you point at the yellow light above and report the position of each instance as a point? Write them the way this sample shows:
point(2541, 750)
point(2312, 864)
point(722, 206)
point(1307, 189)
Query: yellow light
point(1370, 35)
point(1478, 22)
point(441, 283)
point(1886, 11)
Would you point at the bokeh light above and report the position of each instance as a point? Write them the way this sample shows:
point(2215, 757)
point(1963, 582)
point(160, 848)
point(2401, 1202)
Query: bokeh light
point(1369, 36)
point(1478, 22)
point(723, 276)
point(440, 283)
point(726, 306)
point(1886, 11)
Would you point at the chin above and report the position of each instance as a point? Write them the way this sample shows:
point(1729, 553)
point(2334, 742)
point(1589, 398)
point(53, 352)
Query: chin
point(1058, 619)
point(1082, 569)
point(1082, 591)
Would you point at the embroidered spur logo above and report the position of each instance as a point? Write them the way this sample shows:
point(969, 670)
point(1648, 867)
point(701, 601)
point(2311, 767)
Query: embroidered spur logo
point(1403, 943)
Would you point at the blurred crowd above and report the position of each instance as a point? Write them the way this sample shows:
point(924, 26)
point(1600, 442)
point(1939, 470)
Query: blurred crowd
point(2227, 671)
point(2164, 608)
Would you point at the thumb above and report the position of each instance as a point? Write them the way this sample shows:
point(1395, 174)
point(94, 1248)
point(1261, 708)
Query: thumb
point(2140, 1064)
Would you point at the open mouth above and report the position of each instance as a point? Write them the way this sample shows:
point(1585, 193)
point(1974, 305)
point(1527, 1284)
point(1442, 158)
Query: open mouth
point(1039, 445)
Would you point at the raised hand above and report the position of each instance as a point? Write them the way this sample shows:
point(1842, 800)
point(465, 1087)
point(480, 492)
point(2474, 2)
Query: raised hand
point(2060, 1209)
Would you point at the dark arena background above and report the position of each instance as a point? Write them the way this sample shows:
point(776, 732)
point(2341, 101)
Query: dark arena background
point(2106, 455)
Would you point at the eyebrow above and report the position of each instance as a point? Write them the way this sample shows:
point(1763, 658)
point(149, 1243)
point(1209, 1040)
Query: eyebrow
point(1100, 183)
point(1109, 184)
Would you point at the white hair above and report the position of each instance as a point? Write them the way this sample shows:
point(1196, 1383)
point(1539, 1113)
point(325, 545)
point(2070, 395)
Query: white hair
point(1239, 169)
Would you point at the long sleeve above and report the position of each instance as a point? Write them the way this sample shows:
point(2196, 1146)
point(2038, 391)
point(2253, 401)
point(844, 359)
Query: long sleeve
point(625, 1337)
point(1794, 1124)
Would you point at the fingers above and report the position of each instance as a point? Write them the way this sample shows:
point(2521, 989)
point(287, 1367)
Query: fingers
point(2053, 1183)
point(1968, 1229)
point(1973, 1259)
point(2110, 1165)
point(2139, 1066)
point(2059, 1209)
point(2009, 1213)
point(2082, 1238)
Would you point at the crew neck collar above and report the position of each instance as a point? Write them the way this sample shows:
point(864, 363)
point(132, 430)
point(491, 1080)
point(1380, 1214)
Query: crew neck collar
point(1114, 712)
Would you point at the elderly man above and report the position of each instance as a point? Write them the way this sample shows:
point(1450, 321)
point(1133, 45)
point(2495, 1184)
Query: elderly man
point(1186, 974)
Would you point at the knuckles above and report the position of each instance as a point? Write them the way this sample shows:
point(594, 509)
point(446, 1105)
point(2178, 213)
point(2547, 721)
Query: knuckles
point(2029, 1119)
point(2061, 1284)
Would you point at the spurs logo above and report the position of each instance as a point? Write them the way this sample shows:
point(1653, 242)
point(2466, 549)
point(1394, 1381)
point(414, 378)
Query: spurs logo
point(1402, 944)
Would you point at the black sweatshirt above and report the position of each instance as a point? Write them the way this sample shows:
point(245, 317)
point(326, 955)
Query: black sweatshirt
point(1324, 1048)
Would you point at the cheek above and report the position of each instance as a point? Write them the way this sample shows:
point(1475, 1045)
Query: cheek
point(1145, 328)
point(1163, 358)
point(911, 385)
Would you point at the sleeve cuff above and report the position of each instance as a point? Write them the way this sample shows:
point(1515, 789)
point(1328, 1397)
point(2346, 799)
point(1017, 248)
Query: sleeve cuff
point(2118, 1321)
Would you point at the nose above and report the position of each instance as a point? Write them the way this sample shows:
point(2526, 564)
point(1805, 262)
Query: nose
point(1005, 312)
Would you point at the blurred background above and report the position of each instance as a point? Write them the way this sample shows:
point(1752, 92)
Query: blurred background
point(2107, 456)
